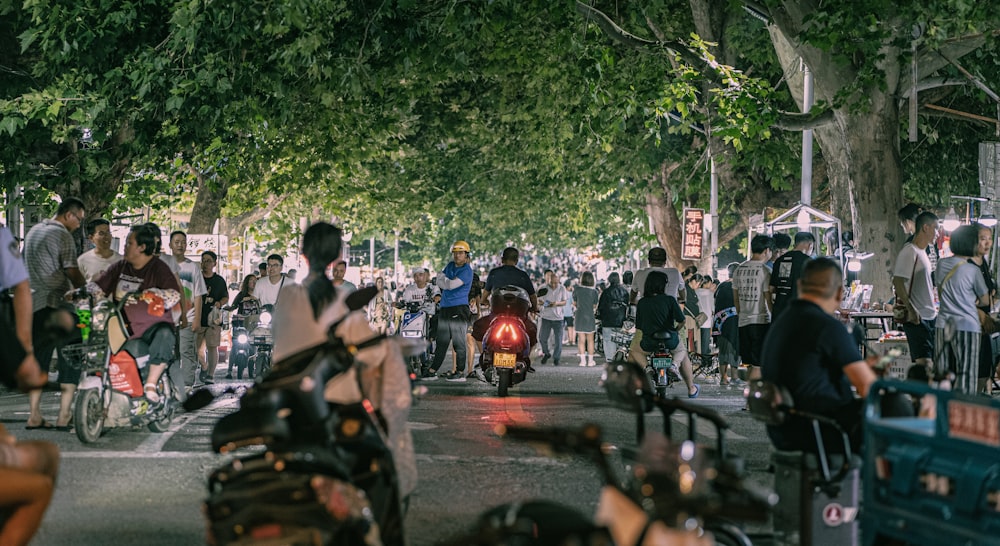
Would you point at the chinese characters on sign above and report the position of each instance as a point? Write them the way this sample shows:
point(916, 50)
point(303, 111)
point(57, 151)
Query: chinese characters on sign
point(694, 227)
point(974, 422)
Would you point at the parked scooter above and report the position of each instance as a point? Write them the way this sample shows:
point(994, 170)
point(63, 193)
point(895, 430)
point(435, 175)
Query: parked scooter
point(113, 369)
point(683, 483)
point(619, 519)
point(326, 475)
point(414, 326)
point(505, 357)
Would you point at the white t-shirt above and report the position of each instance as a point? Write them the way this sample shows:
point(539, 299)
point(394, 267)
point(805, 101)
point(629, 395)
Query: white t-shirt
point(675, 282)
point(706, 302)
point(266, 292)
point(192, 283)
point(92, 265)
point(554, 295)
point(414, 293)
point(172, 262)
point(913, 261)
point(751, 281)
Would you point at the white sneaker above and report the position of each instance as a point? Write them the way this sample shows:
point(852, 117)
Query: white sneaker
point(590, 361)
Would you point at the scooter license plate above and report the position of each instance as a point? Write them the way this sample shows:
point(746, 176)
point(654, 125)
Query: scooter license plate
point(662, 363)
point(504, 360)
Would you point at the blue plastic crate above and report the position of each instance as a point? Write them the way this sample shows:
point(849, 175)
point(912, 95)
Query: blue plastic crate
point(931, 481)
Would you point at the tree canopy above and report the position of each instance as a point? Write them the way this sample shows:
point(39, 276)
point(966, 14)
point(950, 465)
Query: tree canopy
point(505, 121)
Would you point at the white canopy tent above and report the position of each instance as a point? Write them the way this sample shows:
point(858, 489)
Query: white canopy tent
point(803, 217)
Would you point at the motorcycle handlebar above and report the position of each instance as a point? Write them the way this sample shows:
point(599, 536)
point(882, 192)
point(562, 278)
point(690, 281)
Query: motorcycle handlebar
point(669, 405)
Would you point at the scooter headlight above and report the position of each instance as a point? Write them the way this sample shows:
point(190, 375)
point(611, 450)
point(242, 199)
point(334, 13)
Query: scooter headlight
point(99, 317)
point(242, 338)
point(265, 318)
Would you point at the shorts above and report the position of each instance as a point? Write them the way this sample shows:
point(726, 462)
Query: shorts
point(752, 342)
point(568, 321)
point(212, 336)
point(48, 344)
point(920, 339)
point(728, 354)
point(679, 353)
point(9, 457)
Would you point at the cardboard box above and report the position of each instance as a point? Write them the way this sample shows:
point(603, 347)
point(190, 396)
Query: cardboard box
point(902, 362)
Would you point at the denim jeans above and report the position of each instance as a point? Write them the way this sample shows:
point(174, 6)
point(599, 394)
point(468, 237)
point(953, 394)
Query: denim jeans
point(453, 324)
point(610, 347)
point(554, 327)
point(189, 365)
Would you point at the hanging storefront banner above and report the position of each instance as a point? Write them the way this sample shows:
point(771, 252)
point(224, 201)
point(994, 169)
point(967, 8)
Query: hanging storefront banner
point(694, 229)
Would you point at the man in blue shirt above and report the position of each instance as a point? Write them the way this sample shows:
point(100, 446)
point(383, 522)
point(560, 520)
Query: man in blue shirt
point(455, 283)
point(19, 367)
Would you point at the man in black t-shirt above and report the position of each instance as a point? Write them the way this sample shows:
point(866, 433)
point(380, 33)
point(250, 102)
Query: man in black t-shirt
point(209, 337)
point(810, 353)
point(787, 270)
point(508, 274)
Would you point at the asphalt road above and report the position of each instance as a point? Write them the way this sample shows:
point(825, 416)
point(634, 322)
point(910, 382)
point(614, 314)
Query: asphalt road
point(142, 488)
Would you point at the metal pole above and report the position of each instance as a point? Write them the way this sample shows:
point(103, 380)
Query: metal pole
point(395, 258)
point(807, 136)
point(714, 212)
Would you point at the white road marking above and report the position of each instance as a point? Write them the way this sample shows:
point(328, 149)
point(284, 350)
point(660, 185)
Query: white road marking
point(537, 461)
point(138, 455)
point(416, 425)
point(155, 442)
point(705, 428)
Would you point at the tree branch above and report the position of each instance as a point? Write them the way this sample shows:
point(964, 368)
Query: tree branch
point(615, 32)
point(933, 83)
point(791, 121)
point(930, 60)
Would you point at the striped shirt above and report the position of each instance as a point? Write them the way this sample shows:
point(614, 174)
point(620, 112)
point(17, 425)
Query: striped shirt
point(49, 250)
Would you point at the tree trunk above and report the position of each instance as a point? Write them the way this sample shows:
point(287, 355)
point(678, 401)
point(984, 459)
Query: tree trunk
point(861, 150)
point(666, 222)
point(208, 204)
point(865, 170)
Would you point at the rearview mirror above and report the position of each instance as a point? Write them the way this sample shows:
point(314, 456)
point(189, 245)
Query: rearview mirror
point(627, 386)
point(360, 297)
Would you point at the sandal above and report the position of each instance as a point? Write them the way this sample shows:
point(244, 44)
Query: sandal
point(150, 392)
point(697, 391)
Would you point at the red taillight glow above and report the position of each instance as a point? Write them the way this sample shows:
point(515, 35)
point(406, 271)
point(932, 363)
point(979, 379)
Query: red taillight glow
point(505, 330)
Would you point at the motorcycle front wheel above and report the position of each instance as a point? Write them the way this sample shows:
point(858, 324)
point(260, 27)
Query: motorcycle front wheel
point(240, 361)
point(88, 416)
point(263, 364)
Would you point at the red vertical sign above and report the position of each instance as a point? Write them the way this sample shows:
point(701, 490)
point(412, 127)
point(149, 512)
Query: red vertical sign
point(694, 228)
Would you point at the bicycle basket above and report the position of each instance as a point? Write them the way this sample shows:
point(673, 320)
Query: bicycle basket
point(86, 356)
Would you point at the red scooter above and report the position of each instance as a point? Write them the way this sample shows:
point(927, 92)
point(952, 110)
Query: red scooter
point(505, 357)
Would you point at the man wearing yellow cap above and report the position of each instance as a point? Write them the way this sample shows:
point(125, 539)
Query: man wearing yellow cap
point(453, 317)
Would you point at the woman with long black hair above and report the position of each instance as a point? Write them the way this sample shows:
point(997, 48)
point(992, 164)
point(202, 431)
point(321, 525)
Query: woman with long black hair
point(303, 316)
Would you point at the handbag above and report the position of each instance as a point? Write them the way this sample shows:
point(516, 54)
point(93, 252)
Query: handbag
point(899, 312)
point(988, 323)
